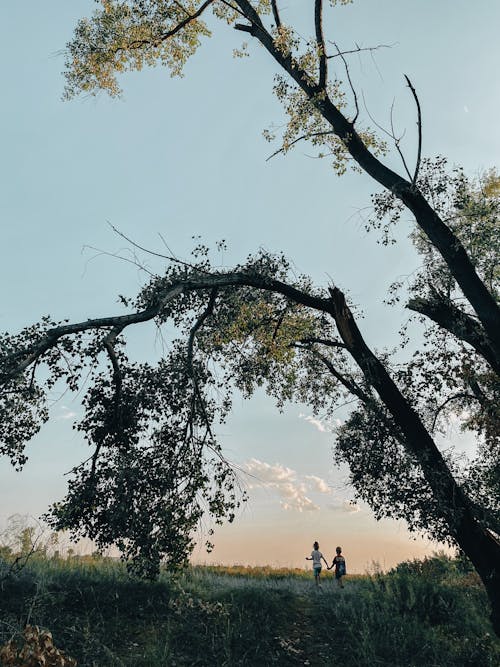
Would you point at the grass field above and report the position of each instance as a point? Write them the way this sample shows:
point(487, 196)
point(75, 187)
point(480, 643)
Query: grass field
point(428, 613)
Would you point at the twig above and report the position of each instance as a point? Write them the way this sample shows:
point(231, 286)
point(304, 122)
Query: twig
point(304, 136)
point(350, 83)
point(396, 143)
point(170, 258)
point(358, 49)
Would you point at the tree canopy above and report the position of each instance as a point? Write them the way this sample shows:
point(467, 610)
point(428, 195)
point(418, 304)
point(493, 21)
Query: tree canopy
point(156, 464)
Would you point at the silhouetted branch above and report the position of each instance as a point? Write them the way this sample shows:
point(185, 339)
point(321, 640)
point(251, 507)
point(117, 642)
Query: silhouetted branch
point(301, 138)
point(138, 43)
point(323, 341)
point(348, 74)
point(320, 42)
point(419, 125)
point(441, 407)
point(359, 49)
point(397, 141)
point(276, 15)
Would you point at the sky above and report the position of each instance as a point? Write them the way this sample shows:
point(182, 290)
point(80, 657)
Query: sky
point(186, 157)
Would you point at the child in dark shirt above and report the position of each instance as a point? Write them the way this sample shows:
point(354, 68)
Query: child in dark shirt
point(339, 564)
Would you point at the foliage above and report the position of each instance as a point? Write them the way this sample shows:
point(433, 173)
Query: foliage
point(128, 35)
point(422, 613)
point(156, 466)
point(446, 379)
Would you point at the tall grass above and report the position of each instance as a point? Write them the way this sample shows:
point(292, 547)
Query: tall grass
point(428, 613)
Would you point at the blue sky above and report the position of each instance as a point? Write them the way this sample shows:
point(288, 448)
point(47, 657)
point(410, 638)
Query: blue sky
point(185, 157)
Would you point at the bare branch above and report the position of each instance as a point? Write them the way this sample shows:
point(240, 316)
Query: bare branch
point(397, 141)
point(419, 125)
point(391, 134)
point(353, 90)
point(170, 258)
point(359, 49)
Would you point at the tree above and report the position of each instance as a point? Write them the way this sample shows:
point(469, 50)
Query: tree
point(156, 464)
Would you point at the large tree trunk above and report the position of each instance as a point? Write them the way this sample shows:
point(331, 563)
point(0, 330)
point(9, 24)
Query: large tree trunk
point(481, 547)
point(483, 550)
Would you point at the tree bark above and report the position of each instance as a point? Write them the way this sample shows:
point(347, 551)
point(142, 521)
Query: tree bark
point(479, 545)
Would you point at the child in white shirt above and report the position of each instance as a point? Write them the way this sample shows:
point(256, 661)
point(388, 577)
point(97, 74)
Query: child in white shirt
point(316, 557)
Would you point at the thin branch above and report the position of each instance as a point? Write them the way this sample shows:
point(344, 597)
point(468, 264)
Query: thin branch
point(320, 42)
point(323, 341)
point(396, 143)
point(137, 44)
point(304, 136)
point(419, 125)
point(114, 255)
point(353, 90)
point(170, 258)
point(358, 49)
point(197, 326)
point(351, 386)
point(454, 397)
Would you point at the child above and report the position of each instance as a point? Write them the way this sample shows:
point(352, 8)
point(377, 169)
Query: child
point(316, 557)
point(339, 564)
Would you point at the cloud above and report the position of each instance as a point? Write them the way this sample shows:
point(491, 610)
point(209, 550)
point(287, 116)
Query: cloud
point(300, 503)
point(269, 474)
point(466, 108)
point(317, 423)
point(323, 426)
point(318, 484)
point(285, 482)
